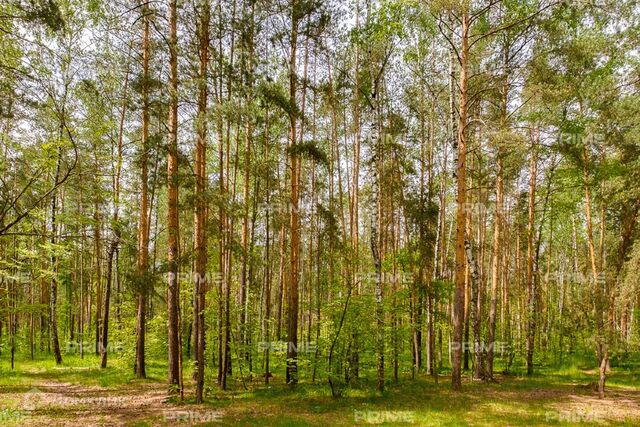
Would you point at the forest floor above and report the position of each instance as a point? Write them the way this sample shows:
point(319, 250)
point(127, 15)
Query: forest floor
point(38, 393)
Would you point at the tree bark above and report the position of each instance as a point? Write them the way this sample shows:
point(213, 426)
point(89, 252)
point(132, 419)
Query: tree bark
point(173, 294)
point(375, 250)
point(600, 297)
point(104, 344)
point(474, 281)
point(143, 218)
point(461, 213)
point(531, 288)
point(200, 219)
point(53, 303)
point(292, 306)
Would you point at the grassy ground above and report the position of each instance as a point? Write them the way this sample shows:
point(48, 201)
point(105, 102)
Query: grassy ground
point(78, 393)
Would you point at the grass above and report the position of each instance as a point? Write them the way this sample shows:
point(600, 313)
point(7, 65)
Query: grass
point(555, 395)
point(76, 370)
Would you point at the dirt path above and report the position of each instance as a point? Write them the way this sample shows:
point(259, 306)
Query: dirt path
point(52, 403)
point(580, 404)
point(616, 407)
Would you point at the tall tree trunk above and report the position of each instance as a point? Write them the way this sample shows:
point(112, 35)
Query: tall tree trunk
point(495, 267)
point(226, 222)
point(505, 314)
point(475, 315)
point(143, 217)
point(461, 213)
point(599, 294)
point(267, 268)
point(531, 288)
point(244, 286)
point(104, 344)
point(354, 359)
point(497, 223)
point(53, 304)
point(173, 296)
point(377, 259)
point(200, 220)
point(97, 231)
point(292, 306)
point(82, 291)
point(113, 249)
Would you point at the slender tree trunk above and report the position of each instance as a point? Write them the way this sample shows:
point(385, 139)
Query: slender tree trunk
point(377, 260)
point(104, 344)
point(267, 269)
point(461, 213)
point(495, 267)
point(281, 281)
point(354, 359)
point(143, 218)
point(377, 233)
point(173, 295)
point(244, 286)
point(98, 265)
point(53, 303)
point(227, 191)
point(200, 220)
point(531, 288)
point(474, 282)
point(292, 306)
point(496, 255)
point(600, 297)
point(113, 249)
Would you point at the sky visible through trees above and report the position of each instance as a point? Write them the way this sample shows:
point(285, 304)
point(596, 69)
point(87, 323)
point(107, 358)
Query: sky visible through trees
point(357, 196)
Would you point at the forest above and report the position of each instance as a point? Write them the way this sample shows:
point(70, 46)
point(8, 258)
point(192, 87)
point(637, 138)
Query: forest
point(319, 212)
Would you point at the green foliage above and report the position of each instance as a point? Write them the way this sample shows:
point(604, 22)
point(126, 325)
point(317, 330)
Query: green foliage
point(310, 149)
point(44, 12)
point(560, 71)
point(274, 94)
